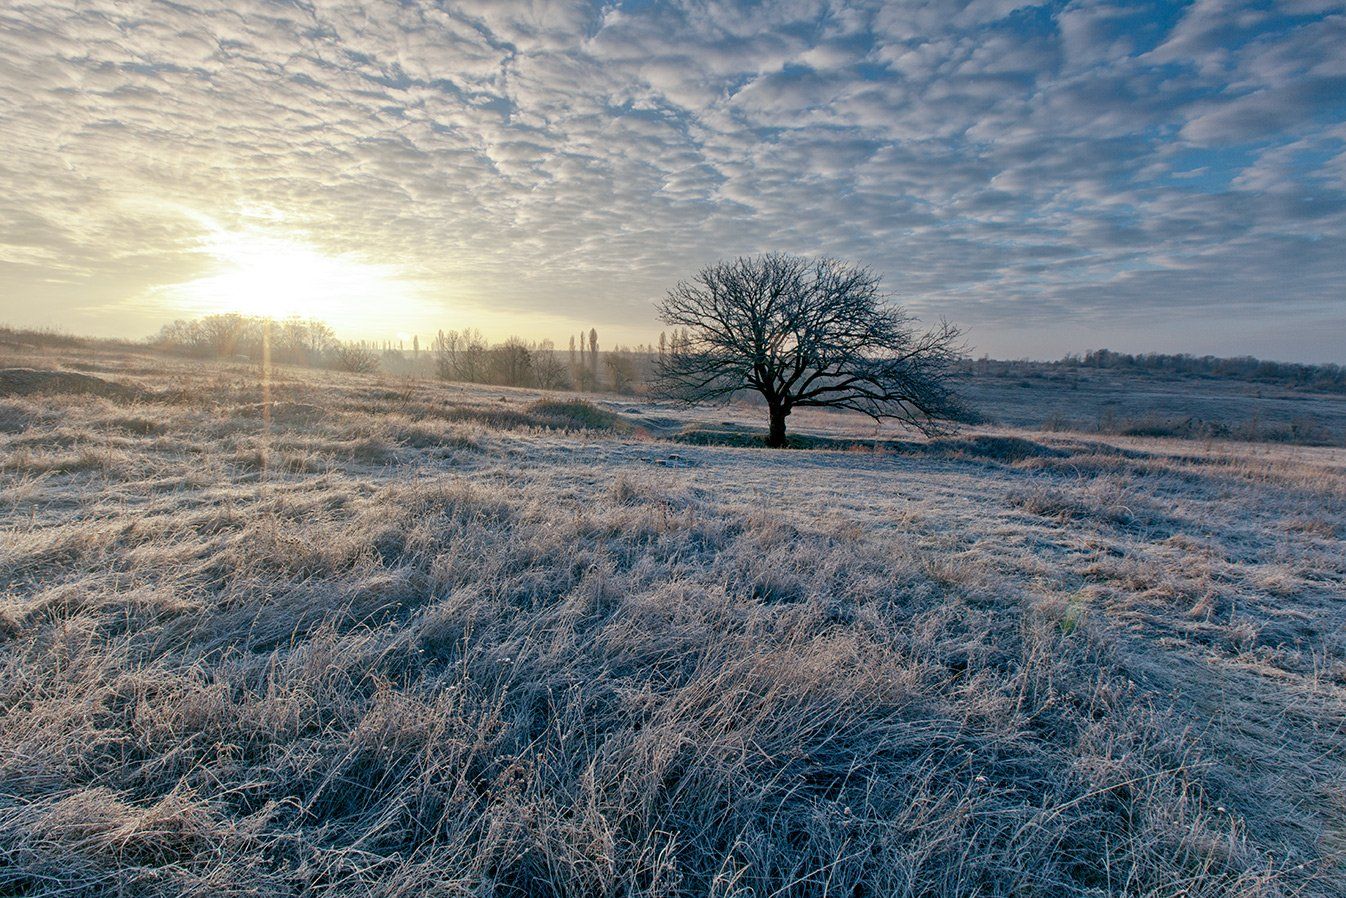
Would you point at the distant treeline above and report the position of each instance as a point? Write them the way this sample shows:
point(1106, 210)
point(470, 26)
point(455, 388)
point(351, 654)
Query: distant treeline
point(465, 355)
point(48, 337)
point(456, 355)
point(1312, 377)
point(292, 341)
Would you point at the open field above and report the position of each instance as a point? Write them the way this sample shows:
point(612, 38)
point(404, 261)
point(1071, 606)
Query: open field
point(1028, 394)
point(389, 637)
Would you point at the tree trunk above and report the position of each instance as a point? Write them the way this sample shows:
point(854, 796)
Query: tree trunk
point(776, 437)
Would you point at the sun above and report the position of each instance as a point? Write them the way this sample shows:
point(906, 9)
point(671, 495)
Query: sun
point(256, 272)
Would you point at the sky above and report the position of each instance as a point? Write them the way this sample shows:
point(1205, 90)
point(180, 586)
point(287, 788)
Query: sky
point(1052, 177)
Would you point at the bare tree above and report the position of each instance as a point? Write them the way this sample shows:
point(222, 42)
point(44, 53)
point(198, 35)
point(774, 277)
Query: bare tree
point(460, 355)
point(593, 355)
point(357, 358)
point(511, 364)
point(445, 348)
point(548, 371)
point(805, 332)
point(301, 341)
point(621, 368)
point(224, 335)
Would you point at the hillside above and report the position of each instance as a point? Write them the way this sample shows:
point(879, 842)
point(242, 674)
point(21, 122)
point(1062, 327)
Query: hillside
point(383, 636)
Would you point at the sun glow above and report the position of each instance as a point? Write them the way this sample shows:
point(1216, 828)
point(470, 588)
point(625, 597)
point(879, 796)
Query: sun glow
point(262, 273)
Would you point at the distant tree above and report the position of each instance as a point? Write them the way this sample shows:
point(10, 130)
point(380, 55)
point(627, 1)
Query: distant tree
point(301, 341)
point(805, 333)
point(593, 357)
point(472, 356)
point(460, 355)
point(179, 336)
point(548, 371)
point(575, 364)
point(223, 335)
point(621, 368)
point(442, 348)
point(511, 364)
point(357, 358)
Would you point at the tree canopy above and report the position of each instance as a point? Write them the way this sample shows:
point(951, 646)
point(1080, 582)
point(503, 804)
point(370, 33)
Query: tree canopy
point(805, 332)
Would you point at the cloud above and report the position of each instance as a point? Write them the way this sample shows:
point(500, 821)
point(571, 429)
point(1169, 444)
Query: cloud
point(1015, 166)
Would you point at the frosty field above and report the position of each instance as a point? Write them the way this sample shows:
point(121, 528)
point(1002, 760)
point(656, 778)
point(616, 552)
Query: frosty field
point(393, 637)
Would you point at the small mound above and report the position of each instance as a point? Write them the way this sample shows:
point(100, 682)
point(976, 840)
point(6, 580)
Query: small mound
point(730, 435)
point(995, 448)
point(575, 414)
point(29, 381)
point(501, 417)
point(548, 414)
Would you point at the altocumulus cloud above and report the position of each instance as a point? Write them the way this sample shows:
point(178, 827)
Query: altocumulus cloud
point(1053, 175)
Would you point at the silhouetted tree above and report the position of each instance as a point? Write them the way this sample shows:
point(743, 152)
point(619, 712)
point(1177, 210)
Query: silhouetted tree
point(442, 347)
point(511, 364)
point(621, 367)
point(357, 358)
point(805, 332)
point(301, 341)
point(593, 355)
point(460, 355)
point(224, 335)
point(548, 371)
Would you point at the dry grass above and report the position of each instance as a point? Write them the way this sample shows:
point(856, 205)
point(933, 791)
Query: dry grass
point(411, 639)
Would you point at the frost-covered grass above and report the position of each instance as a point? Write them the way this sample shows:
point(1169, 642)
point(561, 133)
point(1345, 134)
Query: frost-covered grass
point(416, 639)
